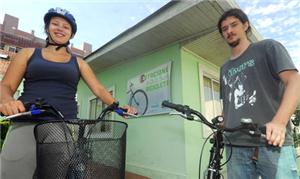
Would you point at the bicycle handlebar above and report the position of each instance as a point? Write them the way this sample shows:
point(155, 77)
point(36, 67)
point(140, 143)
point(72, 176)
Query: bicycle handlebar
point(214, 166)
point(188, 112)
point(40, 107)
point(33, 109)
point(28, 113)
point(177, 107)
point(115, 108)
point(253, 129)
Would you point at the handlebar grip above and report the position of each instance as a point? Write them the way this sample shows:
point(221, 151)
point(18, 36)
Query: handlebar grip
point(120, 111)
point(177, 107)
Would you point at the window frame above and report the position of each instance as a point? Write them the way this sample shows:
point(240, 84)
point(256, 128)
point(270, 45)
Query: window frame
point(104, 134)
point(214, 77)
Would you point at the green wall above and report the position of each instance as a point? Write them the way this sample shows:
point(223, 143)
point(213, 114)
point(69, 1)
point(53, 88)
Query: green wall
point(161, 146)
point(155, 144)
point(192, 97)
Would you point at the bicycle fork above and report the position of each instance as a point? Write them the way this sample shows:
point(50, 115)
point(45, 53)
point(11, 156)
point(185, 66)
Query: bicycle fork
point(214, 166)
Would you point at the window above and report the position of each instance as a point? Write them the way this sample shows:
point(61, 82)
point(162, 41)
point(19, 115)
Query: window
point(95, 108)
point(12, 49)
point(2, 45)
point(210, 96)
point(18, 49)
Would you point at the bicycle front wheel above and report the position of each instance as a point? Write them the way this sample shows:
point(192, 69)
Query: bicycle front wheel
point(139, 100)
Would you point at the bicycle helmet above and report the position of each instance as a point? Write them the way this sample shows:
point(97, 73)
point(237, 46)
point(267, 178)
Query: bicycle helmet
point(61, 13)
point(67, 16)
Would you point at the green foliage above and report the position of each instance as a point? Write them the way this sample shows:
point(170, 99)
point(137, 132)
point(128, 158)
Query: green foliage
point(3, 131)
point(297, 115)
point(296, 130)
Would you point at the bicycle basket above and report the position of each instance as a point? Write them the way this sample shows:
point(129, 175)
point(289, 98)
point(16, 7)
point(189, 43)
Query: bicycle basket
point(85, 149)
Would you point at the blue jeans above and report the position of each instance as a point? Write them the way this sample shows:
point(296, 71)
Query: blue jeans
point(271, 163)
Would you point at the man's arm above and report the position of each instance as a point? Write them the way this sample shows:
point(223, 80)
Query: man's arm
point(276, 129)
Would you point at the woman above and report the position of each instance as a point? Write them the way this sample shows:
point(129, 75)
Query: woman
point(51, 73)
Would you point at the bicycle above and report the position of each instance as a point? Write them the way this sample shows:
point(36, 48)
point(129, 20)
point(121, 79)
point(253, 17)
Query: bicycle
point(138, 99)
point(216, 151)
point(70, 149)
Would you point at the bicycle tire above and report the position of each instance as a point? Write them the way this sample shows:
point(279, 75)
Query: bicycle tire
point(141, 110)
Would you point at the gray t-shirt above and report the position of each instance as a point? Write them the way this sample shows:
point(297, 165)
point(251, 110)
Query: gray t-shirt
point(251, 88)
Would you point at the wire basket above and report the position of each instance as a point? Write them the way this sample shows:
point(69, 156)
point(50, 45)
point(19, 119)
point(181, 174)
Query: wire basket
point(84, 149)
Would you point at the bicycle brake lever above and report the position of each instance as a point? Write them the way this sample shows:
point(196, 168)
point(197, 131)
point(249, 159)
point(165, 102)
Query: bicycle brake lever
point(176, 113)
point(189, 117)
point(129, 114)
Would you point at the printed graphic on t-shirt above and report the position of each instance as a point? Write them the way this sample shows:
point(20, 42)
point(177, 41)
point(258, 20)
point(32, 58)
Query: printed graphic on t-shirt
point(236, 80)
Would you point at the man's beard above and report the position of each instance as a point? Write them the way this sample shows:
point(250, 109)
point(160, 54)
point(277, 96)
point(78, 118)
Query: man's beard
point(234, 43)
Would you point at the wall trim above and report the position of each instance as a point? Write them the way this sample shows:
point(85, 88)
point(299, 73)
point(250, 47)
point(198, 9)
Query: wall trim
point(153, 173)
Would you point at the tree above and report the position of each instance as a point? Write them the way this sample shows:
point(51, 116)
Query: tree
point(3, 131)
point(297, 115)
point(296, 131)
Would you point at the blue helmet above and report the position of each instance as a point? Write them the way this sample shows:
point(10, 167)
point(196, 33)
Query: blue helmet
point(61, 13)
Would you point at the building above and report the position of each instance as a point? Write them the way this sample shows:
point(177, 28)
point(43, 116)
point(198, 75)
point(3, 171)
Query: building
point(181, 39)
point(12, 40)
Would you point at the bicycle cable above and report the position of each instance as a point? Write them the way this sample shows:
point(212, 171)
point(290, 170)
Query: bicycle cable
point(230, 154)
point(201, 154)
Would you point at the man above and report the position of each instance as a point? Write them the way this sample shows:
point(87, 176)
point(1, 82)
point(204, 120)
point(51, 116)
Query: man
point(260, 82)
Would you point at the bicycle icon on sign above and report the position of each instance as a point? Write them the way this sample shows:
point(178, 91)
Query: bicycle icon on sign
point(138, 99)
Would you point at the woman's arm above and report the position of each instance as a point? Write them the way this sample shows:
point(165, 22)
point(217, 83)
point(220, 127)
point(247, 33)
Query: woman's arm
point(11, 81)
point(97, 88)
point(93, 83)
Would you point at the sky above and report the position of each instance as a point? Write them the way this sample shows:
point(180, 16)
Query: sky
point(276, 19)
point(99, 21)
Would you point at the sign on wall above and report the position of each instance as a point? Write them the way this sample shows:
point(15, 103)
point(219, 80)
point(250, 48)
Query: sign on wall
point(146, 91)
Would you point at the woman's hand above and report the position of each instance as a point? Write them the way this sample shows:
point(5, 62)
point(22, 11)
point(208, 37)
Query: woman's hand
point(12, 107)
point(130, 110)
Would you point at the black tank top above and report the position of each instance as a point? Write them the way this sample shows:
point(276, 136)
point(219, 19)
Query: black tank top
point(56, 82)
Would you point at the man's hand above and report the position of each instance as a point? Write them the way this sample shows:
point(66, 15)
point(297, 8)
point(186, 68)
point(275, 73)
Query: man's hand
point(275, 133)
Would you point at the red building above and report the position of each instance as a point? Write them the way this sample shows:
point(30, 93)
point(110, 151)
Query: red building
point(12, 40)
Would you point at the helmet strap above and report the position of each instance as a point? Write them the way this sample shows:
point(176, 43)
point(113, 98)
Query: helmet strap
point(58, 46)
